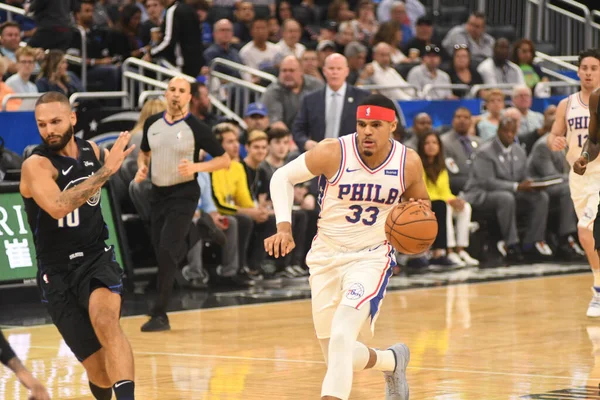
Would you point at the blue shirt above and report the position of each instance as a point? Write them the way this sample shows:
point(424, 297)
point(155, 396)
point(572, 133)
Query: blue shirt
point(231, 54)
point(206, 202)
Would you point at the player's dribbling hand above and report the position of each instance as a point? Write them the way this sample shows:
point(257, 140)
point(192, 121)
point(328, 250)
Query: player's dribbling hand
point(558, 143)
point(280, 244)
point(118, 153)
point(39, 392)
point(141, 174)
point(186, 168)
point(422, 202)
point(580, 165)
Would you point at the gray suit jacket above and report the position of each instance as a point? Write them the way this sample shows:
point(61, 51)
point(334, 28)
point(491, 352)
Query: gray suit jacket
point(545, 164)
point(493, 169)
point(457, 162)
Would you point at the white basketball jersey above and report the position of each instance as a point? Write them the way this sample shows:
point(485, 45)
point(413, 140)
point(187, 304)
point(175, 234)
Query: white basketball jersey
point(357, 200)
point(577, 119)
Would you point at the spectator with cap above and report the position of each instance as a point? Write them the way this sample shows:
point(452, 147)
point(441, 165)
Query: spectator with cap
point(324, 49)
point(428, 73)
point(223, 48)
point(381, 72)
point(259, 53)
point(356, 54)
point(311, 65)
point(200, 105)
point(498, 69)
point(329, 112)
point(291, 32)
point(282, 98)
point(424, 36)
point(256, 118)
point(328, 30)
point(473, 34)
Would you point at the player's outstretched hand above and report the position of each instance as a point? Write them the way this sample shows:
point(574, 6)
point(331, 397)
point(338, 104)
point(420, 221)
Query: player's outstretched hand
point(39, 392)
point(580, 165)
point(118, 153)
point(280, 244)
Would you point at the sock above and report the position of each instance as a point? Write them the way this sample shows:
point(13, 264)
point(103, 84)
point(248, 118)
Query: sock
point(386, 361)
point(360, 357)
point(124, 390)
point(100, 393)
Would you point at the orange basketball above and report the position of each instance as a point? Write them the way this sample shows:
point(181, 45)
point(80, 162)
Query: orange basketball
point(411, 228)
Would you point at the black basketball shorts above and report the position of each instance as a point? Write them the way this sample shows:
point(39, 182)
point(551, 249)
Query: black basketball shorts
point(66, 292)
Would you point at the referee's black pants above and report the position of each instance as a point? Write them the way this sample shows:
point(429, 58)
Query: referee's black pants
point(172, 209)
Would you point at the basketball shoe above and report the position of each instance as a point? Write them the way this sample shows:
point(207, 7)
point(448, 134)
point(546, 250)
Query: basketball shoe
point(396, 386)
point(594, 307)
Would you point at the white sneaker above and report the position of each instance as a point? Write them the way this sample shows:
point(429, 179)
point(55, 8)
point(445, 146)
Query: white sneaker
point(455, 259)
point(466, 257)
point(594, 307)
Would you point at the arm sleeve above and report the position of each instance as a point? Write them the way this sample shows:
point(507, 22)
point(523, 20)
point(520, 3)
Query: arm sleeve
point(282, 187)
point(6, 352)
point(243, 198)
point(145, 145)
point(204, 139)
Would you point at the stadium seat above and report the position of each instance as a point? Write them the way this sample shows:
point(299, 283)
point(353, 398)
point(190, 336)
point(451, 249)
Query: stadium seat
point(503, 31)
point(261, 11)
point(546, 48)
point(441, 31)
point(404, 69)
point(217, 12)
point(453, 15)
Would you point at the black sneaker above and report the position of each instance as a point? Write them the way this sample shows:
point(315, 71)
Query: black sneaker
point(514, 255)
point(157, 324)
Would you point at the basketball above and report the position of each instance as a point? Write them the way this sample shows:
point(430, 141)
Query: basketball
point(411, 228)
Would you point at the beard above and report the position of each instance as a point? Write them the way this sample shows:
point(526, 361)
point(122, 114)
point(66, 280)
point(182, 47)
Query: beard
point(65, 138)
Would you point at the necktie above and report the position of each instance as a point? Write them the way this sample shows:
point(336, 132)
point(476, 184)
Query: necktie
point(331, 120)
point(466, 142)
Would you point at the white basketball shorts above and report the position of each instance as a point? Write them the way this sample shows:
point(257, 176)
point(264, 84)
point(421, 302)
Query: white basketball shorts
point(351, 278)
point(584, 192)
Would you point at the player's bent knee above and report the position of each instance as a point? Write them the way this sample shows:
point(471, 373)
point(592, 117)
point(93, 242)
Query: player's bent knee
point(95, 367)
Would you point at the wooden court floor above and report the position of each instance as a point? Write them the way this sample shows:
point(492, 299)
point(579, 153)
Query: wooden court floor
point(503, 340)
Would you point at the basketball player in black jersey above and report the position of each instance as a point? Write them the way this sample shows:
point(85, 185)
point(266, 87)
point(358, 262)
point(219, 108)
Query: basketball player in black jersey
point(78, 276)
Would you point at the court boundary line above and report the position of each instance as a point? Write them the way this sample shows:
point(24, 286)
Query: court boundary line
point(390, 292)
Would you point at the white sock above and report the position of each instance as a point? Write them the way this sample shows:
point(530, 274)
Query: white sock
point(386, 361)
point(360, 357)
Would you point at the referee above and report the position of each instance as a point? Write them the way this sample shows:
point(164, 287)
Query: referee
point(172, 142)
point(8, 358)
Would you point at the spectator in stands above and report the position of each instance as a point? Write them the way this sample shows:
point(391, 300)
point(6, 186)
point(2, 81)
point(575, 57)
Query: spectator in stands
point(381, 72)
point(53, 21)
point(200, 105)
point(155, 11)
point(324, 49)
point(203, 9)
point(499, 69)
point(256, 117)
point(390, 33)
point(256, 149)
point(53, 75)
point(274, 30)
point(523, 55)
point(181, 39)
point(282, 98)
point(428, 73)
point(20, 82)
point(232, 197)
point(289, 44)
point(400, 17)
point(284, 11)
point(339, 11)
point(454, 239)
point(365, 25)
point(494, 105)
point(103, 14)
point(424, 36)
point(356, 54)
point(223, 48)
point(310, 65)
point(101, 70)
point(344, 36)
point(473, 34)
point(10, 38)
point(244, 15)
point(259, 53)
point(328, 31)
point(422, 125)
point(329, 112)
point(14, 104)
point(459, 149)
point(462, 72)
point(389, 9)
point(529, 138)
point(522, 100)
point(124, 41)
point(515, 114)
point(498, 184)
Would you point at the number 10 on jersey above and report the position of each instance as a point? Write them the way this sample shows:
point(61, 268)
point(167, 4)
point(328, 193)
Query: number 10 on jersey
point(71, 219)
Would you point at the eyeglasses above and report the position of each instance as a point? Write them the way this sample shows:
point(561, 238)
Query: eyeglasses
point(432, 49)
point(461, 46)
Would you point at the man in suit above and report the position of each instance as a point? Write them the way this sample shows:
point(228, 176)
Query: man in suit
point(329, 112)
point(459, 148)
point(497, 183)
point(542, 165)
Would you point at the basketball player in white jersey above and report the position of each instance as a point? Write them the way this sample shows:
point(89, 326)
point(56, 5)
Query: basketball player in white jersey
point(363, 177)
point(572, 120)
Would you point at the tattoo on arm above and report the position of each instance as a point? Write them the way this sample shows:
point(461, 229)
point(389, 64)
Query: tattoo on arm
point(76, 196)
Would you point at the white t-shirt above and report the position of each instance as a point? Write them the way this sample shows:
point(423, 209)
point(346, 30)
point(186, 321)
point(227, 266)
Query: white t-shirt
point(255, 58)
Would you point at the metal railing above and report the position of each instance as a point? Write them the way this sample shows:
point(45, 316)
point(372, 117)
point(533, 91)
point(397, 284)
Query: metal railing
point(575, 32)
point(238, 67)
point(595, 28)
point(404, 87)
point(18, 96)
point(97, 95)
point(573, 85)
point(148, 94)
point(10, 10)
point(431, 87)
point(505, 87)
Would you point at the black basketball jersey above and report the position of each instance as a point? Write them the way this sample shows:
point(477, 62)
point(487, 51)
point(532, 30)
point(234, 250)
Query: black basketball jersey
point(83, 230)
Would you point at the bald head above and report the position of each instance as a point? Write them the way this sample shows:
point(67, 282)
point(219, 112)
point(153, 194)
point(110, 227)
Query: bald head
point(336, 70)
point(290, 73)
point(382, 54)
point(178, 95)
point(422, 124)
point(223, 32)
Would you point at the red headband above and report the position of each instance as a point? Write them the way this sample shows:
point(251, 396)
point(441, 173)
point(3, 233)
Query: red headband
point(375, 112)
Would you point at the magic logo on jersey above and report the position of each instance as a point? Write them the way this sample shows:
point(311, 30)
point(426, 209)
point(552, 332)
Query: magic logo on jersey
point(94, 200)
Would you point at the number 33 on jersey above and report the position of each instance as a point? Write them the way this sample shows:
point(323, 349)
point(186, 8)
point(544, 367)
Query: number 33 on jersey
point(356, 201)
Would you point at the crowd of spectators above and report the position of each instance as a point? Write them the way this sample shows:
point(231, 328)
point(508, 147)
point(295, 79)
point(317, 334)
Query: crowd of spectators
point(322, 53)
